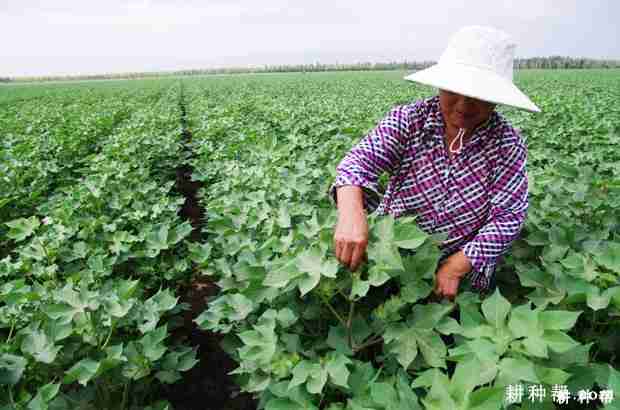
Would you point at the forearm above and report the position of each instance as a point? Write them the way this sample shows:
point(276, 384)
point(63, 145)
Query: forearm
point(351, 234)
point(350, 199)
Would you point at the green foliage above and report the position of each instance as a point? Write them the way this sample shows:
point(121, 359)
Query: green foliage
point(92, 249)
point(277, 147)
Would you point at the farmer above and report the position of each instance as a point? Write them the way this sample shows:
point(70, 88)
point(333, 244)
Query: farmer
point(454, 162)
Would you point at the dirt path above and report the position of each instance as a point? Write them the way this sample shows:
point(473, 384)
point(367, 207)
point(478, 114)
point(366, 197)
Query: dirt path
point(207, 386)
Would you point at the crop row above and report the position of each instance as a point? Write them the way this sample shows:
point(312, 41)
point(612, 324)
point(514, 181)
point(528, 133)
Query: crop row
point(45, 144)
point(87, 300)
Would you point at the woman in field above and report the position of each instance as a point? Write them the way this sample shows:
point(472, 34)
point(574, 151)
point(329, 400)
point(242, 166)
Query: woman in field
point(453, 161)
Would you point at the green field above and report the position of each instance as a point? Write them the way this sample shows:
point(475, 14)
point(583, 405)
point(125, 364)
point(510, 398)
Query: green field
point(122, 201)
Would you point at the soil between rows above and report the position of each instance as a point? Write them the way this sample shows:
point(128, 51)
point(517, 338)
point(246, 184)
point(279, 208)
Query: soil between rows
point(207, 386)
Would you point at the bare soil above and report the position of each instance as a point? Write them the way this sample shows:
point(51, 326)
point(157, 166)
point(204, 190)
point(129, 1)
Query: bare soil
point(207, 386)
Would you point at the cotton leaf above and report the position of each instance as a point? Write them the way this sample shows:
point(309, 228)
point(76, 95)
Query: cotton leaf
point(44, 395)
point(610, 257)
point(409, 235)
point(11, 369)
point(22, 228)
point(336, 367)
point(309, 282)
point(515, 371)
point(384, 394)
point(404, 347)
point(558, 319)
point(558, 341)
point(359, 288)
point(40, 347)
point(524, 321)
point(597, 300)
point(495, 309)
point(377, 276)
point(83, 371)
point(300, 373)
point(432, 347)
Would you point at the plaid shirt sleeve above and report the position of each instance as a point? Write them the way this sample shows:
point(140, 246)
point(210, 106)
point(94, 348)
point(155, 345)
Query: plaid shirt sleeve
point(380, 151)
point(509, 202)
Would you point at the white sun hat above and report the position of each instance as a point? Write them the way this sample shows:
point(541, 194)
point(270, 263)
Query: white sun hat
point(477, 63)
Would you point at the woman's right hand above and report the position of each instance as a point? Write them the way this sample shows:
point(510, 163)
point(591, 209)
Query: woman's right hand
point(351, 234)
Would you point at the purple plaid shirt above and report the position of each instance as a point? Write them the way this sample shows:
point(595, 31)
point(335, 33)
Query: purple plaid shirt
point(479, 197)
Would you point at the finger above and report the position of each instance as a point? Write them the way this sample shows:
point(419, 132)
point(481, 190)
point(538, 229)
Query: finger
point(438, 284)
point(356, 256)
point(345, 256)
point(442, 288)
point(451, 289)
point(338, 248)
point(436, 288)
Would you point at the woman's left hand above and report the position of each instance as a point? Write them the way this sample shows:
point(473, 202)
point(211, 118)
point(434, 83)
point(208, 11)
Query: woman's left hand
point(449, 275)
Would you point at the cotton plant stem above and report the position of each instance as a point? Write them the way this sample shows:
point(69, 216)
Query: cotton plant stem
point(343, 295)
point(350, 324)
point(47, 255)
point(105, 344)
point(335, 313)
point(372, 342)
point(593, 322)
point(321, 400)
point(106, 389)
point(8, 339)
point(100, 392)
point(125, 394)
point(610, 322)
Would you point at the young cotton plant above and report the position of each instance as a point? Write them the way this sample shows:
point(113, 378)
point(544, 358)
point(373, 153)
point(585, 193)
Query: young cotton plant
point(308, 322)
point(80, 311)
point(304, 325)
point(81, 338)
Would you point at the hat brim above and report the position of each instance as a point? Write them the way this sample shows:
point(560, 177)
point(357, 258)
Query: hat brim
point(474, 82)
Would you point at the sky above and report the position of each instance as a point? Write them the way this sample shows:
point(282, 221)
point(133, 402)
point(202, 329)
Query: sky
point(77, 37)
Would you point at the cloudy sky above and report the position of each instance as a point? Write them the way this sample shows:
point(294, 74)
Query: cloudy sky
point(59, 37)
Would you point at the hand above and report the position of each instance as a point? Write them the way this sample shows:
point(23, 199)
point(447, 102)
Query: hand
point(351, 234)
point(450, 273)
point(446, 284)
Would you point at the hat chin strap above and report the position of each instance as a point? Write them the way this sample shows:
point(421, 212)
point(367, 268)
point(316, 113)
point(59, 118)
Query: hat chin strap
point(459, 138)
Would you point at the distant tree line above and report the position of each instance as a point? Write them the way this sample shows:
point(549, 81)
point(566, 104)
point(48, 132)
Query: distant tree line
point(363, 66)
point(5, 80)
point(553, 62)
